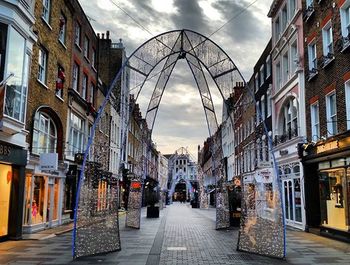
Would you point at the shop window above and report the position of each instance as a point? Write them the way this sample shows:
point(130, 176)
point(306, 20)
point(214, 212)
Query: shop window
point(37, 207)
point(297, 199)
point(5, 190)
point(44, 134)
point(332, 198)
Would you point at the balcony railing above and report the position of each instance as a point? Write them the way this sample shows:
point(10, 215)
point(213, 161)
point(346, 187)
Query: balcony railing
point(290, 134)
point(308, 12)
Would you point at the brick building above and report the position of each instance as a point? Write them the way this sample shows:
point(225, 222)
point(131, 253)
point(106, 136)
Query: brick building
point(327, 153)
point(82, 99)
point(46, 117)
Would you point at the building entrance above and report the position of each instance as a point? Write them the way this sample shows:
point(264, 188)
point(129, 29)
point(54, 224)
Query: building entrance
point(180, 193)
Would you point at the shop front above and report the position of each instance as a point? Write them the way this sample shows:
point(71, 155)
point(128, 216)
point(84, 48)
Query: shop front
point(12, 162)
point(328, 173)
point(292, 194)
point(43, 198)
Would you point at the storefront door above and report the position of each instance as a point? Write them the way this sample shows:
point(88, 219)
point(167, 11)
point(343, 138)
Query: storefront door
point(292, 200)
point(5, 189)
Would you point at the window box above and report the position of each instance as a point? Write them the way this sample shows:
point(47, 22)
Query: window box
point(326, 60)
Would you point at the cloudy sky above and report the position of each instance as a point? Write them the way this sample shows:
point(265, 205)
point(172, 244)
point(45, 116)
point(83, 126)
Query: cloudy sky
point(181, 120)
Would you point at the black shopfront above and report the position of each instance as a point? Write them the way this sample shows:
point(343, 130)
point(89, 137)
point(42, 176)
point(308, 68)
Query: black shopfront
point(13, 160)
point(327, 188)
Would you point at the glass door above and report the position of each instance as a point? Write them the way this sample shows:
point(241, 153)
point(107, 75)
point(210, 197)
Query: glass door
point(288, 199)
point(5, 190)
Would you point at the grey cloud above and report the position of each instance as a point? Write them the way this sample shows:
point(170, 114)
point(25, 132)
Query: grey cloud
point(189, 15)
point(243, 28)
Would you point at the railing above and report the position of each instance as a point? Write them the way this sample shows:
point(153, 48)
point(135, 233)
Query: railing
point(290, 134)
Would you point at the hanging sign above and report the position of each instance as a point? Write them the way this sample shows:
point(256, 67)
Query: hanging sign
point(48, 161)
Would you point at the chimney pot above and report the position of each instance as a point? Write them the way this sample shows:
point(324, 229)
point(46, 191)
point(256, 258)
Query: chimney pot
point(107, 35)
point(103, 36)
point(98, 35)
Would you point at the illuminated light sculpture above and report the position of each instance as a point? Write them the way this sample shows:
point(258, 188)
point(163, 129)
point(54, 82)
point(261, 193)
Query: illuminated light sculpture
point(94, 235)
point(133, 214)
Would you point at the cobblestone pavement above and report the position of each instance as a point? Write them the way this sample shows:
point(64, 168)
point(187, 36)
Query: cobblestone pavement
point(180, 236)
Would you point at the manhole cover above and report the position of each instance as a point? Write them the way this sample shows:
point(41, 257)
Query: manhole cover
point(176, 248)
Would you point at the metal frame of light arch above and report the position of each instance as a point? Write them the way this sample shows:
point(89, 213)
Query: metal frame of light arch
point(159, 45)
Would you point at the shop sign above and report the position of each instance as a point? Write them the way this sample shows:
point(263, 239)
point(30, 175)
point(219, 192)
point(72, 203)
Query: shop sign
point(264, 175)
point(12, 154)
point(327, 146)
point(49, 161)
point(264, 164)
point(284, 152)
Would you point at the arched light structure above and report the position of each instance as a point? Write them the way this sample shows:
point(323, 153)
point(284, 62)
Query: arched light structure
point(99, 232)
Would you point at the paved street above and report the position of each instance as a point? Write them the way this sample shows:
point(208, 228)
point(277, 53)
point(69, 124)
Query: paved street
point(181, 236)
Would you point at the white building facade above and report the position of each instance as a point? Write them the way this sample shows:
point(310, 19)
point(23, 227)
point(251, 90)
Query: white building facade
point(288, 101)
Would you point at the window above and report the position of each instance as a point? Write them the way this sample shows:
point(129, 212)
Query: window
point(258, 112)
point(278, 76)
point(76, 134)
point(269, 103)
point(75, 79)
point(93, 58)
point(262, 108)
point(331, 107)
point(290, 118)
point(46, 10)
point(44, 134)
point(42, 61)
point(347, 101)
point(277, 29)
point(284, 18)
point(315, 122)
point(268, 66)
point(345, 19)
point(256, 81)
point(86, 47)
point(84, 86)
point(292, 8)
point(327, 38)
point(294, 57)
point(77, 34)
point(91, 94)
point(262, 76)
point(309, 3)
point(16, 87)
point(285, 66)
point(60, 81)
point(63, 25)
point(312, 57)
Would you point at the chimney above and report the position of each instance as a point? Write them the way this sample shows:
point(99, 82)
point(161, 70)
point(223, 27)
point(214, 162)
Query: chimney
point(98, 35)
point(107, 35)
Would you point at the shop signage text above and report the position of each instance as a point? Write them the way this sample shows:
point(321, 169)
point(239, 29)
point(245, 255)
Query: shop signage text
point(5, 150)
point(49, 161)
